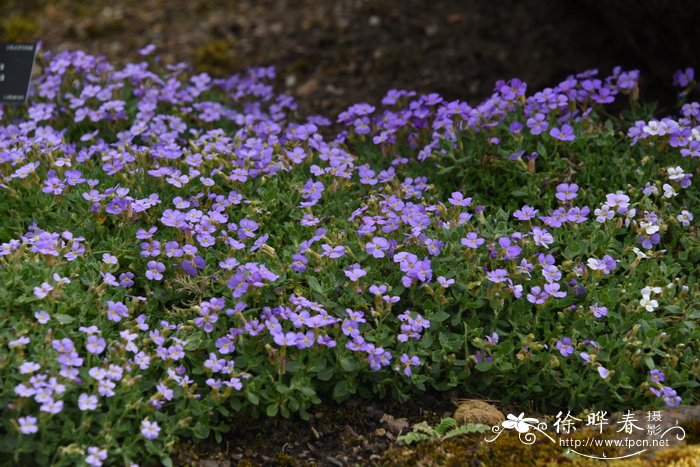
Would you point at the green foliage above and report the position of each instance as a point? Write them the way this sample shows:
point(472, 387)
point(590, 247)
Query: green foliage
point(419, 331)
point(446, 429)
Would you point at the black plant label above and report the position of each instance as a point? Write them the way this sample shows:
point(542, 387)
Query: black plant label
point(16, 62)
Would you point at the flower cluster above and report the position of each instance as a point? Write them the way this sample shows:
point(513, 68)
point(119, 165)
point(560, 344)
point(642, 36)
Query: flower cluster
point(208, 251)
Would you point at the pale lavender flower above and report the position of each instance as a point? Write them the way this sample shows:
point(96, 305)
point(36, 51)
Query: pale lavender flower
point(355, 272)
point(150, 430)
point(96, 456)
point(87, 402)
point(27, 425)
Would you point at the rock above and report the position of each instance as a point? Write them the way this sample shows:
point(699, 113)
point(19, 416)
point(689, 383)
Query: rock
point(476, 411)
point(395, 425)
point(308, 88)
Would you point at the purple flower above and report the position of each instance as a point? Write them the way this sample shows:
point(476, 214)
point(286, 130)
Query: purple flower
point(87, 402)
point(377, 357)
point(525, 213)
point(537, 123)
point(458, 199)
point(259, 242)
point(537, 295)
point(74, 177)
point(27, 425)
point(508, 250)
point(355, 272)
point(407, 363)
point(498, 275)
point(683, 78)
point(299, 262)
point(542, 237)
point(423, 271)
point(472, 240)
point(42, 316)
point(566, 133)
point(434, 246)
point(96, 456)
point(598, 311)
point(126, 279)
point(155, 268)
point(377, 246)
point(551, 273)
point(552, 290)
point(566, 191)
point(149, 430)
point(603, 372)
point(95, 344)
point(564, 346)
point(117, 206)
point(282, 339)
point(52, 407)
point(246, 229)
point(190, 266)
point(671, 398)
point(578, 215)
point(610, 264)
point(656, 376)
point(444, 282)
point(333, 252)
point(648, 241)
point(116, 311)
point(43, 290)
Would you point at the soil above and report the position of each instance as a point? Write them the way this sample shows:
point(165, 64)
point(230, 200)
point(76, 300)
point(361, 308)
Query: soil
point(330, 54)
point(356, 432)
point(334, 53)
point(359, 433)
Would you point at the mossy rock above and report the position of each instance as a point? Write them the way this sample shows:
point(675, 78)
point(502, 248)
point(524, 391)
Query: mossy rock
point(215, 57)
point(476, 411)
point(18, 29)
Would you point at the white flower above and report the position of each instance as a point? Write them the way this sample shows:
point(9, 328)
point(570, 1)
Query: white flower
point(646, 303)
point(521, 424)
point(675, 173)
point(695, 134)
point(604, 213)
point(649, 290)
point(669, 192)
point(648, 227)
point(640, 254)
point(651, 128)
point(685, 218)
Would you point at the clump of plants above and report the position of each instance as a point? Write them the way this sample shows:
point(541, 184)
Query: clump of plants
point(446, 429)
point(177, 249)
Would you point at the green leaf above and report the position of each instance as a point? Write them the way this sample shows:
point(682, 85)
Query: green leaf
point(272, 409)
point(348, 364)
point(64, 319)
point(315, 285)
point(439, 316)
point(253, 398)
point(341, 391)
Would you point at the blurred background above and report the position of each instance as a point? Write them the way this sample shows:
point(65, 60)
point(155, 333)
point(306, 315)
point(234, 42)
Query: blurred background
point(332, 53)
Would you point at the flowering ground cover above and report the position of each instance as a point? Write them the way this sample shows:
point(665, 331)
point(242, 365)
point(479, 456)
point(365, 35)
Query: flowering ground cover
point(176, 250)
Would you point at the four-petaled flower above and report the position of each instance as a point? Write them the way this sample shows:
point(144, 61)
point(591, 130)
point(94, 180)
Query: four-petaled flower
point(519, 423)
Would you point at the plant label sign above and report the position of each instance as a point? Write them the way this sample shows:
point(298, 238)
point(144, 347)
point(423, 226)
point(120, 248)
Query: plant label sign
point(16, 62)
